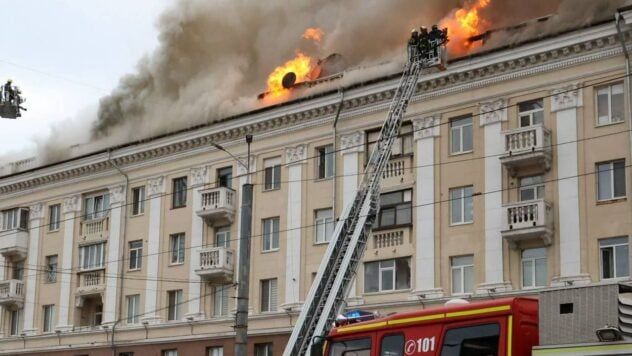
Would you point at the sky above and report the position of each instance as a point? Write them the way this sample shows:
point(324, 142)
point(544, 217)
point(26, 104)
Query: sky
point(66, 54)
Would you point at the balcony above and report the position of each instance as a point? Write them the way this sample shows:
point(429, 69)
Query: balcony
point(530, 220)
point(217, 264)
point(14, 236)
point(94, 230)
point(12, 293)
point(91, 282)
point(397, 172)
point(527, 147)
point(218, 205)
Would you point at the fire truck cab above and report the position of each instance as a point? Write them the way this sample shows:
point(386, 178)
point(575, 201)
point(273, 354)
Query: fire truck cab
point(498, 327)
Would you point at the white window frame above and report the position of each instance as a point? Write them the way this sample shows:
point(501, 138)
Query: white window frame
point(269, 287)
point(95, 257)
point(96, 206)
point(15, 322)
point(179, 195)
point(323, 225)
point(459, 131)
point(532, 269)
point(138, 200)
point(263, 349)
point(222, 234)
point(536, 187)
point(609, 118)
point(174, 310)
point(610, 244)
point(270, 236)
point(173, 352)
point(610, 170)
point(381, 267)
point(48, 317)
point(223, 179)
point(177, 246)
point(133, 309)
point(216, 351)
point(220, 301)
point(325, 162)
point(54, 217)
point(460, 202)
point(14, 219)
point(51, 273)
point(135, 255)
point(272, 171)
point(530, 113)
point(461, 270)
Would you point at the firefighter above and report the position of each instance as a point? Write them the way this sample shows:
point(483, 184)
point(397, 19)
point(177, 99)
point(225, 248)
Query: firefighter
point(9, 93)
point(424, 45)
point(413, 44)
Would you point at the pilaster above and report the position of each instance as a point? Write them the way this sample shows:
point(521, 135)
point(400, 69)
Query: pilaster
point(114, 257)
point(72, 206)
point(155, 190)
point(36, 217)
point(199, 178)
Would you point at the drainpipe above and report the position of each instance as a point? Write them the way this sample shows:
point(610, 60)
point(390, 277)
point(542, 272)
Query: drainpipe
point(333, 191)
point(617, 19)
point(122, 237)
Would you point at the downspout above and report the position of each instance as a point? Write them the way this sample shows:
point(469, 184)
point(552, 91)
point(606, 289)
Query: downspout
point(122, 237)
point(617, 19)
point(333, 190)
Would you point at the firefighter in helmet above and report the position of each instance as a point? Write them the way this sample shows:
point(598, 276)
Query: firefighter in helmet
point(424, 45)
point(9, 92)
point(413, 44)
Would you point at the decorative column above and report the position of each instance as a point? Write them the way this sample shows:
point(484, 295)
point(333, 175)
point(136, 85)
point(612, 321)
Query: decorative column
point(36, 216)
point(72, 206)
point(117, 202)
point(155, 188)
point(351, 145)
point(295, 158)
point(565, 103)
point(243, 179)
point(425, 130)
point(199, 178)
point(492, 114)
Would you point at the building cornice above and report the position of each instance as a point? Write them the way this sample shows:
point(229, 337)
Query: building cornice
point(466, 74)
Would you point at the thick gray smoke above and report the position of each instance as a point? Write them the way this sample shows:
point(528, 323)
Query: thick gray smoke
point(214, 57)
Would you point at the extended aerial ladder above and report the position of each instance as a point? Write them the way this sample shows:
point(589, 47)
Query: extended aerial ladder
point(326, 297)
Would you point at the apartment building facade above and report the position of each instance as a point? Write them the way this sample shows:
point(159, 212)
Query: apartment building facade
point(510, 176)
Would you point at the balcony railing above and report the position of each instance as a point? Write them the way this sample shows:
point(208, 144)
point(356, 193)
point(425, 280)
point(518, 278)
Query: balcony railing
point(528, 220)
point(91, 282)
point(527, 146)
point(95, 229)
point(217, 264)
point(12, 292)
point(391, 238)
point(397, 172)
point(218, 205)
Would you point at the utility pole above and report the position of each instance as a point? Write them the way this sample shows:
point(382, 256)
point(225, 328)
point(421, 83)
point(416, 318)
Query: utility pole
point(243, 282)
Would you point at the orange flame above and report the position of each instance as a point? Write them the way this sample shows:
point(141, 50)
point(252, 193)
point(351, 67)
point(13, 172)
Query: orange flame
point(463, 24)
point(313, 33)
point(301, 65)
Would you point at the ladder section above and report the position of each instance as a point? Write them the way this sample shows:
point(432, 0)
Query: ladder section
point(326, 297)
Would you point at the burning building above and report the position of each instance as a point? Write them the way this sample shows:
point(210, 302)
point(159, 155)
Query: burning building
point(501, 160)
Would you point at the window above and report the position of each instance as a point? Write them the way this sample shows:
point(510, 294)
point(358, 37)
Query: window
point(51, 269)
point(174, 311)
point(220, 301)
point(387, 275)
point(98, 315)
point(179, 193)
point(16, 320)
point(169, 352)
point(395, 209)
point(133, 304)
point(461, 135)
point(325, 161)
point(472, 340)
point(263, 349)
point(269, 295)
point(16, 218)
point(49, 312)
point(92, 256)
point(531, 188)
point(611, 180)
point(222, 237)
point(177, 248)
point(135, 254)
point(138, 200)
point(53, 217)
point(18, 270)
point(462, 274)
point(272, 174)
point(225, 177)
point(270, 234)
point(129, 353)
point(355, 347)
point(96, 207)
point(531, 112)
point(403, 144)
point(216, 351)
point(392, 345)
point(534, 271)
point(323, 224)
point(614, 257)
point(461, 205)
point(610, 104)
